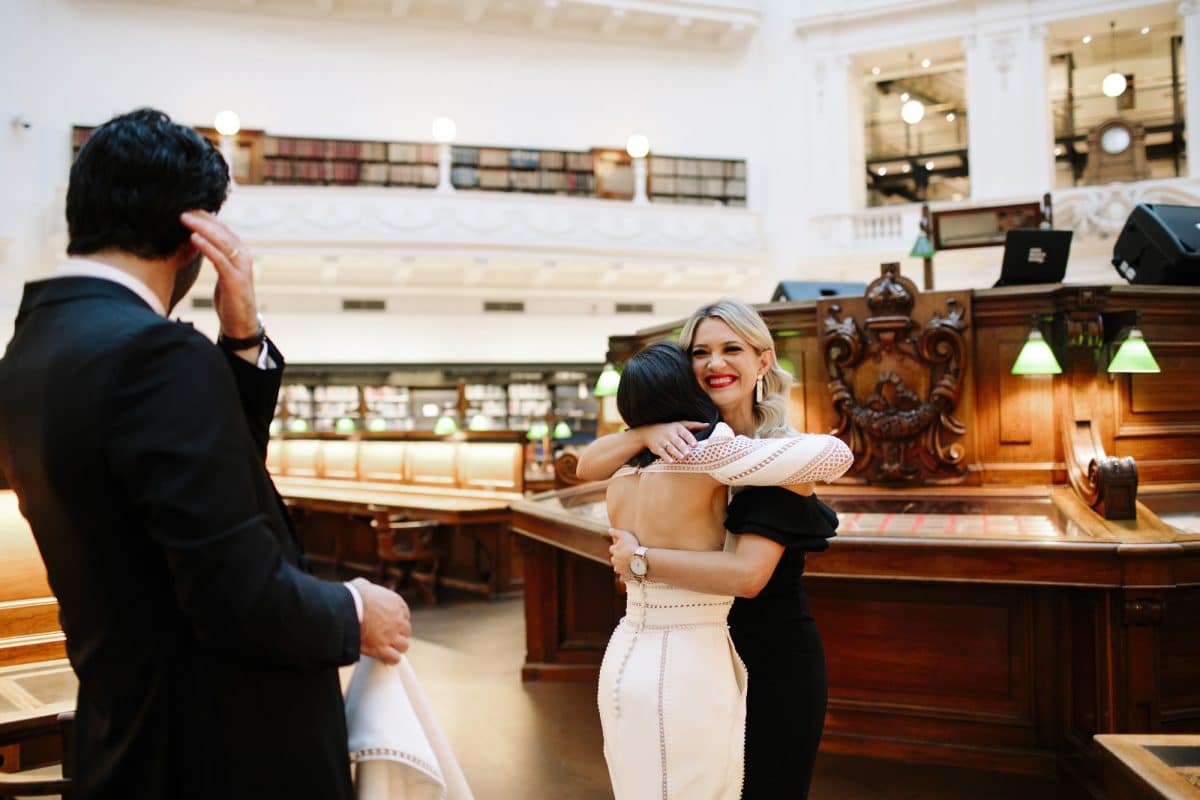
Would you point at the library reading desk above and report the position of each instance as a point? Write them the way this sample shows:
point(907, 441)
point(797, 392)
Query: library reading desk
point(1017, 567)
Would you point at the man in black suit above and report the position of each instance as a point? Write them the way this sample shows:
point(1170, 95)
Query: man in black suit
point(207, 657)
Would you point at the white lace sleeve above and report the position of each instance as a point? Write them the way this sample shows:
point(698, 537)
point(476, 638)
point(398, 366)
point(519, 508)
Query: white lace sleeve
point(742, 461)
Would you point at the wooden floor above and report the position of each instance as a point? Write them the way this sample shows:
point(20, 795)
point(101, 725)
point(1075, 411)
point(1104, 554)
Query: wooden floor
point(542, 740)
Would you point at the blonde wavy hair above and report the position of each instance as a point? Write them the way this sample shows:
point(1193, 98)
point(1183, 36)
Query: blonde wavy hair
point(771, 413)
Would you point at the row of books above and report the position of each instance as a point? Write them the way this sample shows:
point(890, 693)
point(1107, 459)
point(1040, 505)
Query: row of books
point(703, 187)
point(522, 180)
point(697, 168)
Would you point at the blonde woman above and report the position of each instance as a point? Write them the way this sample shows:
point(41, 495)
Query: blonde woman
point(672, 690)
point(733, 359)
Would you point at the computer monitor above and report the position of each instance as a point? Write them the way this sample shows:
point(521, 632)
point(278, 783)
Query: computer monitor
point(1033, 255)
point(1160, 244)
point(815, 290)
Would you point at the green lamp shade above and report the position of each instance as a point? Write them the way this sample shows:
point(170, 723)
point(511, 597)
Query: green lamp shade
point(1134, 355)
point(445, 425)
point(377, 425)
point(922, 248)
point(1036, 357)
point(563, 431)
point(276, 427)
point(344, 425)
point(479, 422)
point(297, 425)
point(606, 385)
point(787, 365)
point(538, 430)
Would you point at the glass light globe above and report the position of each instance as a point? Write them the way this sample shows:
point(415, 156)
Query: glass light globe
point(1113, 85)
point(637, 146)
point(912, 112)
point(444, 129)
point(227, 123)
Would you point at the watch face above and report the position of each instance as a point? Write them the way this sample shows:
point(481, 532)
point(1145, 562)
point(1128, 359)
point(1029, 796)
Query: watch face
point(1115, 140)
point(637, 565)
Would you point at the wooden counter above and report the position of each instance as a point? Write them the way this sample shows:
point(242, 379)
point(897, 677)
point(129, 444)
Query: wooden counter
point(28, 611)
point(1018, 575)
point(1159, 767)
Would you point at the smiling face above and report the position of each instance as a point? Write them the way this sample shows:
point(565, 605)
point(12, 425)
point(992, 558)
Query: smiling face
point(727, 366)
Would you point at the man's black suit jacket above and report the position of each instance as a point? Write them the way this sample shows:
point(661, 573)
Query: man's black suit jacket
point(207, 659)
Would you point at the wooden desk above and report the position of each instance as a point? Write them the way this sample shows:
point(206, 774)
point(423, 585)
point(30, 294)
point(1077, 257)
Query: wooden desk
point(1018, 563)
point(478, 555)
point(29, 629)
point(1161, 767)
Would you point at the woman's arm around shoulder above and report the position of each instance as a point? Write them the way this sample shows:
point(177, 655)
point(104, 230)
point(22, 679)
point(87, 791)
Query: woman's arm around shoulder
point(604, 456)
point(741, 572)
point(742, 461)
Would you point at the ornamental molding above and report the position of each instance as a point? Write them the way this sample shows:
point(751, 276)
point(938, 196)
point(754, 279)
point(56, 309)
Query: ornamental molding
point(702, 24)
point(1101, 211)
point(403, 220)
point(896, 383)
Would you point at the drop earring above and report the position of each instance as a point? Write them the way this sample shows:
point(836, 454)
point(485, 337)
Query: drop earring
point(758, 390)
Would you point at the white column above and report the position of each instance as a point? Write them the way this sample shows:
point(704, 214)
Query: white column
point(835, 116)
point(1190, 11)
point(1010, 128)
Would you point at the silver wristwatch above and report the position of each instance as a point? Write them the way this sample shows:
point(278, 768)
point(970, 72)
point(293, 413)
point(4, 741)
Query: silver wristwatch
point(638, 564)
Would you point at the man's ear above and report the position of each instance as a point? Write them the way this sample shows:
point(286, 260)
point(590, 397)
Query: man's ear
point(184, 253)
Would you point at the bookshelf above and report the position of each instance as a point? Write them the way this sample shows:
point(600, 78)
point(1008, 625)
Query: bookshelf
point(598, 172)
point(313, 404)
point(697, 181)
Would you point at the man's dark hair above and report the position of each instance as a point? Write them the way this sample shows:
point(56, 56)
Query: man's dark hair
point(133, 178)
point(658, 385)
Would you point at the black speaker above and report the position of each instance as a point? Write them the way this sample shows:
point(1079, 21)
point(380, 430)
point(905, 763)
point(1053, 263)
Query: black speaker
point(1160, 244)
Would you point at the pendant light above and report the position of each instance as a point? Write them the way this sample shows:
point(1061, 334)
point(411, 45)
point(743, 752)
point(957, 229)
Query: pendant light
point(606, 384)
point(1036, 357)
point(1114, 83)
point(913, 110)
point(1133, 355)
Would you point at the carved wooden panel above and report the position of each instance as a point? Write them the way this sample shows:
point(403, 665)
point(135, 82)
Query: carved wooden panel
point(939, 648)
point(898, 369)
point(1179, 665)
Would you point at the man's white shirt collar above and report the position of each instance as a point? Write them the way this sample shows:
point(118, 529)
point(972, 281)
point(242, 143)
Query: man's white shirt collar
point(86, 268)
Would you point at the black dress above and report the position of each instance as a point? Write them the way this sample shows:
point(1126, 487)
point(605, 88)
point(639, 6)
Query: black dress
point(777, 639)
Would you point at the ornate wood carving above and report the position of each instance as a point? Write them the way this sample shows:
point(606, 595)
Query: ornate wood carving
point(1143, 612)
point(1106, 483)
point(896, 384)
point(565, 474)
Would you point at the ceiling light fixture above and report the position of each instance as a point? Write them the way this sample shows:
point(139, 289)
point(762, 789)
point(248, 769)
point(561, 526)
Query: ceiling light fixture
point(1114, 83)
point(951, 116)
point(926, 63)
point(1087, 39)
point(875, 70)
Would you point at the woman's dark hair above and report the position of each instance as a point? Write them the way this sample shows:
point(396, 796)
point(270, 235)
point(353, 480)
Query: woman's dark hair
point(133, 178)
point(658, 385)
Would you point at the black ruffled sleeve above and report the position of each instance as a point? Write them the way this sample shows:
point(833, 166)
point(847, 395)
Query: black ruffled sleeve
point(785, 517)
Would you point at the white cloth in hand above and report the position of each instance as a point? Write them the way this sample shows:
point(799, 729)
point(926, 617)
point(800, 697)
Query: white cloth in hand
point(395, 741)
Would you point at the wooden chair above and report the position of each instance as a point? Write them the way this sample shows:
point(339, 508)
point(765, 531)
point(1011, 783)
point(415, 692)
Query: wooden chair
point(42, 781)
point(403, 544)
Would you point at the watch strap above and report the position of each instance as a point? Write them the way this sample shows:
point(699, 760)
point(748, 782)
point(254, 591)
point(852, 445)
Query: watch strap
point(234, 344)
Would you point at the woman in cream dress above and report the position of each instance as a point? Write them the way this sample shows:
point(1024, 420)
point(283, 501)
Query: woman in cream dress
point(672, 688)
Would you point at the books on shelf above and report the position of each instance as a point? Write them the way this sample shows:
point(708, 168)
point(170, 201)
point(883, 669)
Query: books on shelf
point(312, 161)
point(493, 157)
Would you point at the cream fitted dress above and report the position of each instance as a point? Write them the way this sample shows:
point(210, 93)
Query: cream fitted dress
point(672, 693)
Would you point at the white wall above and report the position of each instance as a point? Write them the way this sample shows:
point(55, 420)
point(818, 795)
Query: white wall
point(783, 101)
point(82, 61)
